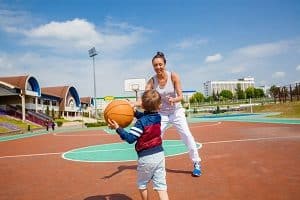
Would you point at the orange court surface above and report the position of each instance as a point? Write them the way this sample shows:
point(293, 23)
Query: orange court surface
point(240, 160)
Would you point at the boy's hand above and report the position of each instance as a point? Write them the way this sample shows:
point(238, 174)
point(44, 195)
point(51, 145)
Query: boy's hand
point(113, 124)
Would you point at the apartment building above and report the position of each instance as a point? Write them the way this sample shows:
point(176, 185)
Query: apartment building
point(218, 86)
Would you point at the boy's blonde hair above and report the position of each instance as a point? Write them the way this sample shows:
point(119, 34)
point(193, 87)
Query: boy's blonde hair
point(151, 100)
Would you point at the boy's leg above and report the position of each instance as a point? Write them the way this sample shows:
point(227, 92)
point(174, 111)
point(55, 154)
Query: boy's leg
point(144, 194)
point(163, 194)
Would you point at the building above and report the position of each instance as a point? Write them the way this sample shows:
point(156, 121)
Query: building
point(63, 100)
point(187, 94)
point(218, 86)
point(22, 97)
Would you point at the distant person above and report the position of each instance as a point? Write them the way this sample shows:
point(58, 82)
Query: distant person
point(53, 125)
point(168, 85)
point(47, 125)
point(146, 132)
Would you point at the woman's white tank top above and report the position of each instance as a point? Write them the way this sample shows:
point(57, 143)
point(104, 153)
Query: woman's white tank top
point(165, 92)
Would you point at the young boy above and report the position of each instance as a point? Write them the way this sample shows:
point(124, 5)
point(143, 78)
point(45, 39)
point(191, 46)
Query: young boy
point(147, 134)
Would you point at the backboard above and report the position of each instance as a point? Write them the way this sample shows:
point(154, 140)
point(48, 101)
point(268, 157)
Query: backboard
point(134, 85)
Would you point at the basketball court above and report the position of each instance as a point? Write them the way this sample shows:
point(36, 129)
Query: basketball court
point(240, 160)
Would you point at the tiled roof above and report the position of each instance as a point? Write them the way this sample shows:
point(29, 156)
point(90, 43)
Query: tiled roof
point(17, 81)
point(86, 100)
point(58, 91)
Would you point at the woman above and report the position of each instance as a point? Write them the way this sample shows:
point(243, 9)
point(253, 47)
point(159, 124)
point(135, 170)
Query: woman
point(169, 86)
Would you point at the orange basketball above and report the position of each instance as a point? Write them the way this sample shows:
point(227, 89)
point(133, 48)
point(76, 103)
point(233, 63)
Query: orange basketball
point(120, 111)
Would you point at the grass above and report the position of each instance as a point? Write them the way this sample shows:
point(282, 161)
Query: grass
point(3, 130)
point(287, 110)
point(19, 123)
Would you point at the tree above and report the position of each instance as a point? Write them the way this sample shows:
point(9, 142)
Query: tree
point(52, 113)
point(285, 93)
point(198, 97)
point(214, 96)
point(249, 92)
point(209, 99)
point(47, 110)
point(226, 94)
point(275, 91)
point(240, 94)
point(258, 93)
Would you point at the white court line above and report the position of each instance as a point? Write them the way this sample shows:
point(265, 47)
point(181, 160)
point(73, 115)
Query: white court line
point(80, 135)
point(31, 155)
point(204, 143)
point(109, 134)
point(252, 139)
point(215, 124)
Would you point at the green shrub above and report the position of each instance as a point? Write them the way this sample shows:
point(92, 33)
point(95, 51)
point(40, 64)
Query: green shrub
point(98, 124)
point(59, 123)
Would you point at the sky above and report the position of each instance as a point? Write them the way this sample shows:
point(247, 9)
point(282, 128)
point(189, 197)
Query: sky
point(202, 40)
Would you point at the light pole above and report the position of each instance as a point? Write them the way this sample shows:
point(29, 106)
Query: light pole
point(93, 53)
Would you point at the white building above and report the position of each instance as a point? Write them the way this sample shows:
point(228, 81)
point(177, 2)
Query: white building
point(187, 94)
point(218, 86)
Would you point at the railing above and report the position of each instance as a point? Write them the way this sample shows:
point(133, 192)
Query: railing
point(10, 127)
point(72, 109)
point(39, 118)
point(14, 111)
point(2, 112)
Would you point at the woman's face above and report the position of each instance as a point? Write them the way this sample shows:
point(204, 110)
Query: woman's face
point(159, 66)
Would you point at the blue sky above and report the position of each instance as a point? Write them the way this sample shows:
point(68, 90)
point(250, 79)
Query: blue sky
point(202, 40)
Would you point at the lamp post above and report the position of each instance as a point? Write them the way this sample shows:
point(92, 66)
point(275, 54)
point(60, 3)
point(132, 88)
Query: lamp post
point(93, 53)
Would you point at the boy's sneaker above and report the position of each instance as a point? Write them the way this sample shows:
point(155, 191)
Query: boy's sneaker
point(197, 170)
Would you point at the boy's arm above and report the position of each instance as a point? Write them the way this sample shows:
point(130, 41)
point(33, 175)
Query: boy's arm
point(128, 137)
point(131, 136)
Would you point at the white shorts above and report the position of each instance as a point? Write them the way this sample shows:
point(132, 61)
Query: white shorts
point(152, 167)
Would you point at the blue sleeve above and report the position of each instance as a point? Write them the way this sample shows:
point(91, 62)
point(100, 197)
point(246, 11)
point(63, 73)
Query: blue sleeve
point(128, 137)
point(134, 133)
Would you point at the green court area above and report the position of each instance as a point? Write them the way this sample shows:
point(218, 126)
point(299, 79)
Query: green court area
point(120, 152)
point(244, 117)
point(238, 117)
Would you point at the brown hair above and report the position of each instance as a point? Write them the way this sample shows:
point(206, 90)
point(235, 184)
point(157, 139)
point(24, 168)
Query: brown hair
point(160, 55)
point(151, 100)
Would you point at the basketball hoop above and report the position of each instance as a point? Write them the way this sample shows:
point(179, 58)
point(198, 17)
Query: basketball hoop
point(134, 85)
point(135, 88)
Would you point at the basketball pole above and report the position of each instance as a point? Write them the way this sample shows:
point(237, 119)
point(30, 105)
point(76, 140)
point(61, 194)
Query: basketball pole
point(136, 94)
point(93, 53)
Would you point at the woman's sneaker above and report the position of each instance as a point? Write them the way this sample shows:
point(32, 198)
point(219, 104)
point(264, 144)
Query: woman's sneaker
point(197, 170)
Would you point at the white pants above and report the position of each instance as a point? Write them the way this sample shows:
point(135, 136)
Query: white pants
point(178, 120)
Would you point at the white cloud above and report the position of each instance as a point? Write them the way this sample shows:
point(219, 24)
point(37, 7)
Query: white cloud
point(77, 29)
point(190, 43)
point(278, 75)
point(298, 68)
point(78, 34)
point(264, 50)
point(213, 58)
point(14, 21)
point(70, 35)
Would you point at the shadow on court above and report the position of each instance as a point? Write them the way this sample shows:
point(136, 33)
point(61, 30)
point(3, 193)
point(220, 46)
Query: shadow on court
point(110, 197)
point(122, 168)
